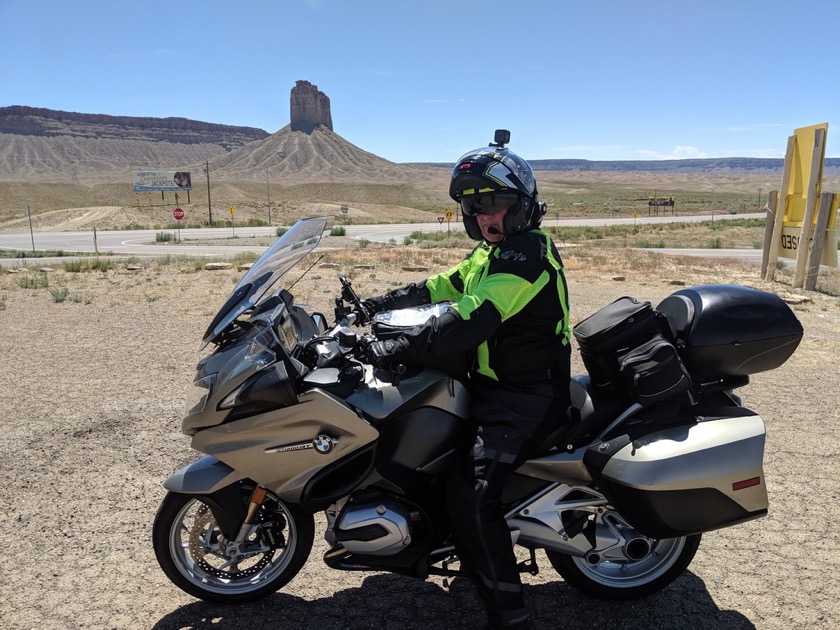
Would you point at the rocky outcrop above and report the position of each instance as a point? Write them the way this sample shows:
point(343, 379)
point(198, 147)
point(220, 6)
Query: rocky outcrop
point(309, 108)
point(39, 122)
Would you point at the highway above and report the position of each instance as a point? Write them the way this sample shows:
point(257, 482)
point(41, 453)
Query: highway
point(141, 243)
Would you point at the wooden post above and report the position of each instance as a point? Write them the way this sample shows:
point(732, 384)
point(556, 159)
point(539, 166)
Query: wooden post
point(815, 256)
point(770, 274)
point(770, 222)
point(807, 230)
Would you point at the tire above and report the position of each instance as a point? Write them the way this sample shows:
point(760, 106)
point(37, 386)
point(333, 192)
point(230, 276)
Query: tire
point(186, 540)
point(631, 579)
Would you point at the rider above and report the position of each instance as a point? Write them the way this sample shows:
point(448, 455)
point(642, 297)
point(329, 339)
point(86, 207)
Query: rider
point(511, 307)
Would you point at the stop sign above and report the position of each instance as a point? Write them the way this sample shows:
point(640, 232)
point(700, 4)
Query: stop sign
point(178, 214)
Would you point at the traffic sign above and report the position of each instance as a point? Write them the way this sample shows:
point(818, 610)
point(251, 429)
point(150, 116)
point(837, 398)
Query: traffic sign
point(440, 220)
point(448, 214)
point(178, 214)
point(230, 210)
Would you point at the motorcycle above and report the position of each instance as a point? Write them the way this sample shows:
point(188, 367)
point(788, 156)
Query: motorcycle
point(293, 422)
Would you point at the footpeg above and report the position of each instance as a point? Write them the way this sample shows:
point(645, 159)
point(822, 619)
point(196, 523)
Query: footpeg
point(529, 565)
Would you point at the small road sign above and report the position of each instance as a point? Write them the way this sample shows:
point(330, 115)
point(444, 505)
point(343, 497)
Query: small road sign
point(178, 213)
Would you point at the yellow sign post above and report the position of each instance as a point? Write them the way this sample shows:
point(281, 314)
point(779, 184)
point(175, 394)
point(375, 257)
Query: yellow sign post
point(793, 213)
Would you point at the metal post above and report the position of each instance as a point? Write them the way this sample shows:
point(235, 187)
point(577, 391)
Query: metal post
point(209, 207)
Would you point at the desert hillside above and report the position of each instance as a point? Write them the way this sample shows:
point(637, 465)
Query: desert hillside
point(74, 171)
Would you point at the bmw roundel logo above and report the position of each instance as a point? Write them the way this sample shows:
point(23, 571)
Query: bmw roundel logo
point(324, 444)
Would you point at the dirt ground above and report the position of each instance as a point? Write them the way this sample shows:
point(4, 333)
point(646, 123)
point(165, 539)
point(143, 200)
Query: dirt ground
point(90, 406)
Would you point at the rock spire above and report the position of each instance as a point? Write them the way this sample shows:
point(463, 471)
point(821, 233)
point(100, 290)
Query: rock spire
point(309, 108)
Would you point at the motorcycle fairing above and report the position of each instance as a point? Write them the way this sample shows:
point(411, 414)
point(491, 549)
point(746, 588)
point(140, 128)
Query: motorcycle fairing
point(251, 447)
point(419, 424)
point(203, 476)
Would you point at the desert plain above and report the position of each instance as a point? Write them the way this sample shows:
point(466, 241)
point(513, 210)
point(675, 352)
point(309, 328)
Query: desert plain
point(90, 405)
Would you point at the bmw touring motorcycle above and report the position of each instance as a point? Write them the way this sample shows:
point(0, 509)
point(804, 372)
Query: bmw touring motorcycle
point(291, 421)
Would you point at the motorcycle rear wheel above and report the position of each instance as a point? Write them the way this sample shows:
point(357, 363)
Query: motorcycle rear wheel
point(187, 539)
point(632, 579)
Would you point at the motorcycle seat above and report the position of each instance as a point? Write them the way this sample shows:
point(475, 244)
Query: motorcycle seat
point(592, 410)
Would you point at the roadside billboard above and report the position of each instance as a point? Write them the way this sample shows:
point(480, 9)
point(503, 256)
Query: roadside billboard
point(162, 180)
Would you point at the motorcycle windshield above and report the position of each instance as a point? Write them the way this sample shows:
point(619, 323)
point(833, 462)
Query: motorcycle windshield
point(285, 253)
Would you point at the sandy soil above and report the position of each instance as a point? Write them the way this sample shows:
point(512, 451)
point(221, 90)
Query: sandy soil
point(90, 405)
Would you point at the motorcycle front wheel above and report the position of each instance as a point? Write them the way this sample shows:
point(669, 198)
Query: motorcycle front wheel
point(194, 554)
point(630, 579)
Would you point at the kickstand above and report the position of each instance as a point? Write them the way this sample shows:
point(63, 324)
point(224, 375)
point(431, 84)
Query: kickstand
point(530, 565)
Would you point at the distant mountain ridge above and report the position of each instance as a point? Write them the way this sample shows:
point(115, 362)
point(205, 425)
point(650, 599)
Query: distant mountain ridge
point(52, 145)
point(704, 165)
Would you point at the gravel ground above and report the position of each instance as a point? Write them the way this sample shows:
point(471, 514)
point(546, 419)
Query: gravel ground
point(90, 405)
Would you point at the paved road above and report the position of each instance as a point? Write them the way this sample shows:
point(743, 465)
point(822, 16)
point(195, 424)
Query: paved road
point(141, 243)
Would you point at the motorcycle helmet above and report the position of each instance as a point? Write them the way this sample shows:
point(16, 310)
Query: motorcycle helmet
point(491, 179)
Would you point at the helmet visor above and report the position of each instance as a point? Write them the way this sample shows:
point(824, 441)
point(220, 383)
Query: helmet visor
point(490, 202)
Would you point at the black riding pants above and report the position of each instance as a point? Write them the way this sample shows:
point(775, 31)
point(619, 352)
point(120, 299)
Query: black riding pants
point(509, 423)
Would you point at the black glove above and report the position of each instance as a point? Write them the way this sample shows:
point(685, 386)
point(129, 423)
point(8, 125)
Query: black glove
point(373, 305)
point(383, 354)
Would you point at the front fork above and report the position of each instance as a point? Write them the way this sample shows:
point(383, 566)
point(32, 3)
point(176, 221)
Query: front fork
point(246, 530)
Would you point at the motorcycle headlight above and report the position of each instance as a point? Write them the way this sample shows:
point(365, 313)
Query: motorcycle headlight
point(199, 394)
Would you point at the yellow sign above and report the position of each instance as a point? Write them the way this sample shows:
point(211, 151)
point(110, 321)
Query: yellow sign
point(789, 244)
point(448, 214)
point(800, 176)
point(230, 210)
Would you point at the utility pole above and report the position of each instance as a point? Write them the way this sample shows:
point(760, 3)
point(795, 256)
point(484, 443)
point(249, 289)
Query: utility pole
point(209, 207)
point(31, 233)
point(268, 194)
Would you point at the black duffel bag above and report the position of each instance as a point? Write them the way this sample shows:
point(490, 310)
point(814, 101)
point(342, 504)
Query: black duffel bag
point(611, 332)
point(653, 372)
point(623, 349)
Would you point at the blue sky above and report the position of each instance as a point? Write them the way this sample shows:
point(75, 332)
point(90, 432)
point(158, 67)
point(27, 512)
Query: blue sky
point(428, 80)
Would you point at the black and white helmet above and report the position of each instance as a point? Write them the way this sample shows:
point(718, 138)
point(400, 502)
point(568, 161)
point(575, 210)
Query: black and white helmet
point(493, 178)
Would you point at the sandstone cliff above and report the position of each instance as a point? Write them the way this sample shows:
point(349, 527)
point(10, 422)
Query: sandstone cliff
point(310, 108)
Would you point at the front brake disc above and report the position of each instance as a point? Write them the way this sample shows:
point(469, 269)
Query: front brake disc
point(201, 547)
